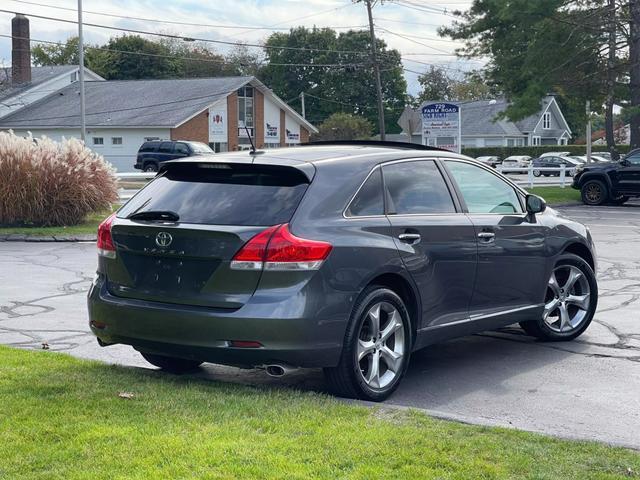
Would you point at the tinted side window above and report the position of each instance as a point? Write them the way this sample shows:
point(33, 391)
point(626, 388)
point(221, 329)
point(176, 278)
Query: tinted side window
point(416, 188)
point(148, 147)
point(368, 200)
point(484, 192)
point(182, 148)
point(166, 147)
point(634, 158)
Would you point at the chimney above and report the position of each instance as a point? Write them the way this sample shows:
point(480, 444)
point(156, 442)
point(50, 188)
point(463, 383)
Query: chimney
point(20, 51)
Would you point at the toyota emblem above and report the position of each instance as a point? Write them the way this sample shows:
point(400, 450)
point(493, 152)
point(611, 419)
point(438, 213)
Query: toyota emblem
point(164, 239)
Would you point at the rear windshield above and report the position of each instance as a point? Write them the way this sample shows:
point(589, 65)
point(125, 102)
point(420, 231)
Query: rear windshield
point(222, 194)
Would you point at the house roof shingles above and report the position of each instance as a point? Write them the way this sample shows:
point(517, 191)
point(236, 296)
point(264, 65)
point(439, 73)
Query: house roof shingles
point(126, 103)
point(479, 118)
point(38, 75)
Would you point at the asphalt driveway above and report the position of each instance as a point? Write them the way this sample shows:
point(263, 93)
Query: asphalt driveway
point(588, 389)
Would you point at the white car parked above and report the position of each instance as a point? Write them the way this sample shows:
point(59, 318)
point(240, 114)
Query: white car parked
point(555, 154)
point(515, 161)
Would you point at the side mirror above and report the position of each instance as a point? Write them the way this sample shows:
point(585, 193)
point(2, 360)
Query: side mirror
point(535, 204)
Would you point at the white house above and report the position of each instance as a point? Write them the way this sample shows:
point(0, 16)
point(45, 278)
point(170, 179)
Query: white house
point(481, 128)
point(121, 115)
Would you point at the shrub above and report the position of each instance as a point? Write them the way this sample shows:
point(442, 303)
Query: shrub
point(47, 183)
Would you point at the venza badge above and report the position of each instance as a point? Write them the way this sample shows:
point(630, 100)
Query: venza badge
point(163, 239)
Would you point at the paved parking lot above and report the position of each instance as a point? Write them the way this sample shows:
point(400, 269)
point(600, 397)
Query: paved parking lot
point(589, 388)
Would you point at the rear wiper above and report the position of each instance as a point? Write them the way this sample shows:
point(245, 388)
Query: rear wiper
point(164, 215)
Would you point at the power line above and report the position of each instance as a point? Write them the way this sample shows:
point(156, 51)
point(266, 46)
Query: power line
point(127, 109)
point(186, 37)
point(170, 22)
point(217, 62)
point(443, 52)
point(302, 18)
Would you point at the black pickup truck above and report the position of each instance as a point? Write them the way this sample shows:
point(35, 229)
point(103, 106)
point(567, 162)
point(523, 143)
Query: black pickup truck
point(609, 182)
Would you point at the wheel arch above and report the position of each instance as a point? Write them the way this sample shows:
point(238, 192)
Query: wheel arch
point(407, 292)
point(147, 161)
point(582, 251)
point(588, 176)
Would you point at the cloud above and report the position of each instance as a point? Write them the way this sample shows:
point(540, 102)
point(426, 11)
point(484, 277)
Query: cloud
point(391, 19)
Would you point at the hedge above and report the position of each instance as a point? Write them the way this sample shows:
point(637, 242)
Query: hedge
point(504, 152)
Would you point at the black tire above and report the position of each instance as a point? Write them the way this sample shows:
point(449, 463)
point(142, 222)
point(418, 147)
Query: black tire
point(150, 167)
point(594, 192)
point(541, 330)
point(347, 378)
point(171, 364)
point(537, 173)
point(620, 200)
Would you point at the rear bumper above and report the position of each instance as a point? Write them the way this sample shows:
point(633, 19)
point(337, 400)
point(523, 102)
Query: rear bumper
point(288, 333)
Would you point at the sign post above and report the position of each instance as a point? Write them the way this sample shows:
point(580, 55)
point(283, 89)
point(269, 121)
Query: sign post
point(441, 126)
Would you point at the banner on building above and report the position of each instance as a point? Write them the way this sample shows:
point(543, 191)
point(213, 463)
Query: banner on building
point(293, 137)
point(272, 132)
point(218, 123)
point(441, 124)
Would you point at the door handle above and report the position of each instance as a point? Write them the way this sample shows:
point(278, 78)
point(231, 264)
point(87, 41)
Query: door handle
point(409, 237)
point(488, 236)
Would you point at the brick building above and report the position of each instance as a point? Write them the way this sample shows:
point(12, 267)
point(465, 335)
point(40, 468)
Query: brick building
point(121, 115)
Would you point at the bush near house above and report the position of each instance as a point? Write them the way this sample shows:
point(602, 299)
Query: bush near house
point(47, 183)
point(504, 152)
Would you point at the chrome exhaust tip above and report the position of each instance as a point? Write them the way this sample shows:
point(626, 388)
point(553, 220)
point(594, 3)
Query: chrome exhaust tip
point(278, 371)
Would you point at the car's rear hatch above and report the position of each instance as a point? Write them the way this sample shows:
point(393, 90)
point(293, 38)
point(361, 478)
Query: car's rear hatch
point(219, 207)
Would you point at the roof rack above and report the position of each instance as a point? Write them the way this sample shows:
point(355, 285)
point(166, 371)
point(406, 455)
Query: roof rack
point(374, 143)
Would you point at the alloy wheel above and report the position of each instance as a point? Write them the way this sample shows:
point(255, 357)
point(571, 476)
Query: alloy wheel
point(594, 193)
point(567, 299)
point(381, 346)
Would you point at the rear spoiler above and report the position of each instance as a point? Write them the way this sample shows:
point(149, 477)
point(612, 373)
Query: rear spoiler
point(283, 164)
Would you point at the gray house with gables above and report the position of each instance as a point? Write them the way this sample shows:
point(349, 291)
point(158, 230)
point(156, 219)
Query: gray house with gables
point(481, 128)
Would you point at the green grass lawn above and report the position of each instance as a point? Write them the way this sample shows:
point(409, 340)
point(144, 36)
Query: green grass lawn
point(557, 195)
point(89, 226)
point(63, 418)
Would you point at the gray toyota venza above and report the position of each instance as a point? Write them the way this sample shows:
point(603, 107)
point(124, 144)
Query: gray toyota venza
point(344, 256)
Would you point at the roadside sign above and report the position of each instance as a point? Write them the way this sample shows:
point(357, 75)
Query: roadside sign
point(441, 126)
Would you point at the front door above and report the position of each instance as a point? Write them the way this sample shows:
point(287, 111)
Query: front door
point(629, 174)
point(435, 240)
point(512, 268)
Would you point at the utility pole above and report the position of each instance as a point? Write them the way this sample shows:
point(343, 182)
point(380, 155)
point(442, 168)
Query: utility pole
point(304, 113)
point(376, 68)
point(83, 126)
point(588, 131)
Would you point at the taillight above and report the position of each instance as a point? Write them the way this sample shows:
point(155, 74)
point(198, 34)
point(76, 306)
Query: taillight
point(276, 248)
point(105, 245)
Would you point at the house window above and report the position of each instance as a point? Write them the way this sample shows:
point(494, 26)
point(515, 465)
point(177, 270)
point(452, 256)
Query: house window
point(535, 141)
point(98, 140)
point(116, 140)
point(511, 142)
point(546, 121)
point(245, 111)
point(74, 77)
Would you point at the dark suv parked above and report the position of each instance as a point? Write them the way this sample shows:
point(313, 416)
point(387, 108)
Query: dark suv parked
point(346, 257)
point(612, 182)
point(152, 154)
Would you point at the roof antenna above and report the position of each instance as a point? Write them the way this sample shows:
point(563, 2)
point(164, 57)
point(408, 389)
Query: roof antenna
point(253, 150)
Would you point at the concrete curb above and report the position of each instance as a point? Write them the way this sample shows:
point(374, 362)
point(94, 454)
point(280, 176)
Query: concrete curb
point(16, 237)
point(485, 422)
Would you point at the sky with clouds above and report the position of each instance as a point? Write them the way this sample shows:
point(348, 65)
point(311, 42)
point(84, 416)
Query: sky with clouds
point(404, 25)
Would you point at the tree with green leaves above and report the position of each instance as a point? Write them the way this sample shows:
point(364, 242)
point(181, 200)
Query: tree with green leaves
point(550, 46)
point(344, 126)
point(437, 85)
point(332, 80)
